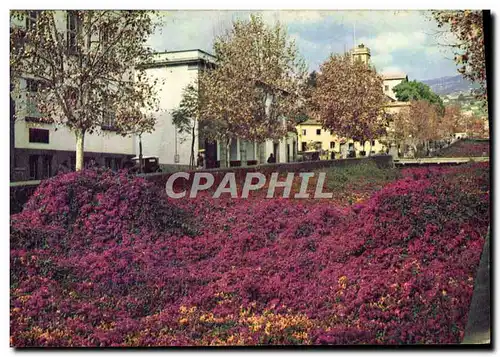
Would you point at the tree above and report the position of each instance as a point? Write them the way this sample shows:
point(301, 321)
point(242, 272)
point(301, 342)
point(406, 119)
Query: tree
point(255, 90)
point(450, 120)
point(348, 99)
point(87, 69)
point(187, 115)
point(413, 90)
point(467, 27)
point(416, 125)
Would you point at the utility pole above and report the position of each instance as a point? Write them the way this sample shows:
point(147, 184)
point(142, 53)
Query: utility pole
point(354, 35)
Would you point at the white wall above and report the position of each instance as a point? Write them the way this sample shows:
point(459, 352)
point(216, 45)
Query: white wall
point(61, 138)
point(64, 139)
point(391, 83)
point(164, 142)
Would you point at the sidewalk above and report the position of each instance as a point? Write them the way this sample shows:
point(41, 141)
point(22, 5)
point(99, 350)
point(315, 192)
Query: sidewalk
point(478, 329)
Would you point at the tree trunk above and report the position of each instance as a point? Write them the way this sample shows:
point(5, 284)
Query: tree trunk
point(191, 159)
point(80, 137)
point(141, 164)
point(228, 152)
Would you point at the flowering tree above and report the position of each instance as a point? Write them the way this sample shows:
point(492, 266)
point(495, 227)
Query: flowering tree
point(348, 99)
point(467, 26)
point(86, 65)
point(256, 86)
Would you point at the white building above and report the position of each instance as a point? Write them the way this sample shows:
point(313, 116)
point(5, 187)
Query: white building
point(390, 81)
point(38, 147)
point(175, 70)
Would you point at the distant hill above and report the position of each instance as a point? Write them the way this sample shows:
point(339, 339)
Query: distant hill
point(450, 84)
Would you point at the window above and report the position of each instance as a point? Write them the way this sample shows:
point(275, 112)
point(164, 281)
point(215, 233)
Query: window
point(373, 143)
point(104, 34)
point(318, 131)
point(304, 132)
point(108, 162)
point(332, 144)
point(38, 135)
point(31, 20)
point(33, 165)
point(386, 88)
point(32, 85)
point(72, 32)
point(47, 166)
point(108, 121)
point(304, 146)
point(351, 146)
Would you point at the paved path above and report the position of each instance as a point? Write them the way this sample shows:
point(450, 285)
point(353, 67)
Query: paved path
point(478, 326)
point(440, 160)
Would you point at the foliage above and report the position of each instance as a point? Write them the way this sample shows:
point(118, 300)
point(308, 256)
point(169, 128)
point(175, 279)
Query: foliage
point(256, 85)
point(467, 27)
point(88, 76)
point(348, 99)
point(417, 124)
point(407, 91)
point(397, 268)
point(187, 115)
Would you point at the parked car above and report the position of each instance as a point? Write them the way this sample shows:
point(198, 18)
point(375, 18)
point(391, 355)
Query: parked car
point(149, 164)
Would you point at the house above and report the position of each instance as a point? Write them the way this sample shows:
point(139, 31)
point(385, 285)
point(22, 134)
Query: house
point(176, 70)
point(390, 81)
point(39, 146)
point(312, 136)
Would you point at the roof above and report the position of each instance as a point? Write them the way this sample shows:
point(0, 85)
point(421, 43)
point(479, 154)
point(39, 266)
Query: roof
point(310, 122)
point(398, 104)
point(394, 75)
point(172, 58)
point(190, 50)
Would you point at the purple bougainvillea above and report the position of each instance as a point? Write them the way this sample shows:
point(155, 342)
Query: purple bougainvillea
point(103, 259)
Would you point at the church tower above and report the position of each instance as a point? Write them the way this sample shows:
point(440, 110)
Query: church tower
point(361, 53)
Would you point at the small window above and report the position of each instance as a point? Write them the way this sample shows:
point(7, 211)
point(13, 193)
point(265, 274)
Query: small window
point(318, 131)
point(304, 132)
point(304, 146)
point(72, 31)
point(373, 142)
point(108, 121)
point(38, 135)
point(33, 165)
point(332, 144)
point(351, 146)
point(386, 88)
point(31, 19)
point(32, 85)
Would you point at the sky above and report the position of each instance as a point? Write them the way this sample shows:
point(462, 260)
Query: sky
point(399, 41)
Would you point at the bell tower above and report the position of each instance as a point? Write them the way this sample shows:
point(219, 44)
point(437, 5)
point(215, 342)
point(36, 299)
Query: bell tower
point(361, 53)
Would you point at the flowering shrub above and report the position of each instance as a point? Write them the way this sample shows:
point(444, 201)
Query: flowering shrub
point(397, 268)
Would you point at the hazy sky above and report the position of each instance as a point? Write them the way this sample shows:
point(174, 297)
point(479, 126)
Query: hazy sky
point(403, 41)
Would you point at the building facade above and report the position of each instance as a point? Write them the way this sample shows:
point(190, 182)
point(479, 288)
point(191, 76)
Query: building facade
point(175, 70)
point(38, 146)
